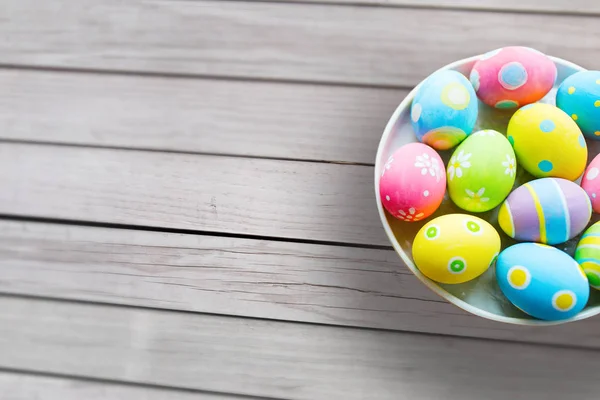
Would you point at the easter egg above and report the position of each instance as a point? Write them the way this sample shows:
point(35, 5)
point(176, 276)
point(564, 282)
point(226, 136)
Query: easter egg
point(542, 281)
point(547, 210)
point(579, 97)
point(444, 110)
point(412, 182)
point(481, 172)
point(455, 248)
point(587, 254)
point(591, 183)
point(547, 142)
point(512, 77)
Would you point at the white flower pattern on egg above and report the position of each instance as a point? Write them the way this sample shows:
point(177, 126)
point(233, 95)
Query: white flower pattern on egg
point(410, 215)
point(477, 196)
point(428, 165)
point(485, 132)
point(458, 163)
point(510, 166)
point(387, 166)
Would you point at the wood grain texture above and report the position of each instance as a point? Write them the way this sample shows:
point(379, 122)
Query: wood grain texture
point(311, 122)
point(301, 200)
point(16, 386)
point(325, 43)
point(583, 7)
point(286, 360)
point(252, 278)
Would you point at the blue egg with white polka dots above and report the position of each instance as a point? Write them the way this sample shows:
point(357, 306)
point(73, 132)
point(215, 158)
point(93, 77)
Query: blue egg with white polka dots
point(542, 281)
point(444, 110)
point(579, 97)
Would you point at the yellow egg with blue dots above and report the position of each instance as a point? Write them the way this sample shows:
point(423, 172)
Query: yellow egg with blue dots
point(547, 142)
point(587, 254)
point(455, 248)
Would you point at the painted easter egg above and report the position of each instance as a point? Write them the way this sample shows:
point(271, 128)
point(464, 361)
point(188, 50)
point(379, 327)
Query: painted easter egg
point(579, 97)
point(444, 110)
point(512, 77)
point(542, 281)
point(591, 183)
point(547, 210)
point(587, 254)
point(481, 172)
point(547, 142)
point(455, 248)
point(413, 182)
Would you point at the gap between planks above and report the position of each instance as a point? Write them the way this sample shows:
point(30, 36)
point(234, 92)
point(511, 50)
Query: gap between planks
point(357, 45)
point(239, 277)
point(27, 385)
point(575, 7)
point(275, 359)
point(296, 200)
point(312, 123)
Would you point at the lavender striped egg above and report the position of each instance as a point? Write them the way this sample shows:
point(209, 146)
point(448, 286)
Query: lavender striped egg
point(547, 210)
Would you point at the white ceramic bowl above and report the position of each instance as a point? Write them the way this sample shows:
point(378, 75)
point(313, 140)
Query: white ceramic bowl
point(481, 296)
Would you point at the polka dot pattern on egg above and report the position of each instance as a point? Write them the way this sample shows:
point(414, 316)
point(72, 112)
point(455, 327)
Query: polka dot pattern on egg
point(457, 265)
point(545, 166)
point(547, 126)
point(564, 300)
point(512, 75)
point(519, 277)
point(456, 96)
point(415, 112)
point(506, 104)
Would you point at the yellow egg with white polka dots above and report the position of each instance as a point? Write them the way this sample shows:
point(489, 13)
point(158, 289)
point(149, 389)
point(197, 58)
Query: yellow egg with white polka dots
point(547, 142)
point(455, 248)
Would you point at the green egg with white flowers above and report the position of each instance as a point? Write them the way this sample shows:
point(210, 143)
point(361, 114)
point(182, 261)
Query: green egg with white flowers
point(481, 172)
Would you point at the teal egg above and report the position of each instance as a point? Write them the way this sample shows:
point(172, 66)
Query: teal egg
point(579, 97)
point(444, 110)
point(542, 281)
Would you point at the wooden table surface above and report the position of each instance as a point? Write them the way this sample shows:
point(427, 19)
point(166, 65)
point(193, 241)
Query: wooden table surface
point(187, 207)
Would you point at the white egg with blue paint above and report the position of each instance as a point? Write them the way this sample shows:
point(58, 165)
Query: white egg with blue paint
point(444, 110)
point(542, 281)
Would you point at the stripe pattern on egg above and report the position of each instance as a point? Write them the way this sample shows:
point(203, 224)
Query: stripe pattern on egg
point(587, 254)
point(547, 210)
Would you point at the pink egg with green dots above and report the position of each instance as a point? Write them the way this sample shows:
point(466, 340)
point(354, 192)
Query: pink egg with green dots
point(412, 183)
point(591, 183)
point(512, 77)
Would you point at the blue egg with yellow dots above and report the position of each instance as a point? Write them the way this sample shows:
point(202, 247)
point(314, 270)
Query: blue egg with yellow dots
point(579, 97)
point(542, 281)
point(444, 110)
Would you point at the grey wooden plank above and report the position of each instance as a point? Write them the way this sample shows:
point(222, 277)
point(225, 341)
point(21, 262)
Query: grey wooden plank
point(583, 7)
point(211, 116)
point(252, 278)
point(325, 43)
point(19, 386)
point(301, 200)
point(289, 360)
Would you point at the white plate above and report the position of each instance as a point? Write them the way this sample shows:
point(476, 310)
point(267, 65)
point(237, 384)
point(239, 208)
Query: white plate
point(481, 296)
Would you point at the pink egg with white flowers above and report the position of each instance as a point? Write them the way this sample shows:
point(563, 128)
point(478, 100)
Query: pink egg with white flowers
point(591, 183)
point(412, 182)
point(512, 77)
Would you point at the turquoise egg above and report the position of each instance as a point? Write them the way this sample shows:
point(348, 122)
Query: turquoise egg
point(444, 110)
point(579, 97)
point(542, 281)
